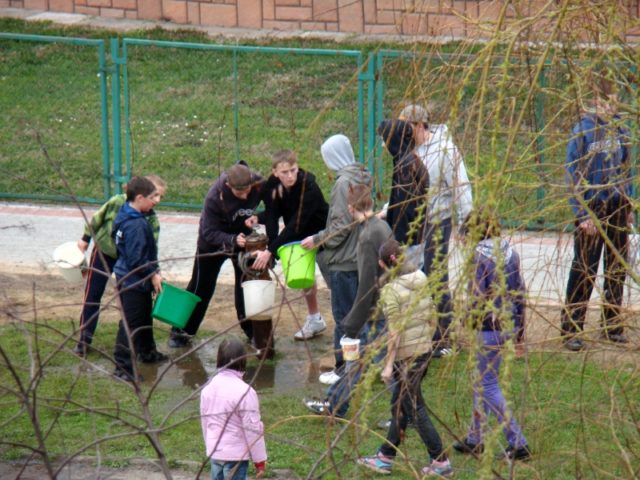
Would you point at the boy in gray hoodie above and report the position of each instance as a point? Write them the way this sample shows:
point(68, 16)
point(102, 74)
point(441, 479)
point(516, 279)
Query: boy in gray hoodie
point(340, 239)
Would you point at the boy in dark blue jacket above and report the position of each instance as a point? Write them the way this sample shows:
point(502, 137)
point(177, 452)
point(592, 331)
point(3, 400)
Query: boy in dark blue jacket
point(598, 172)
point(138, 275)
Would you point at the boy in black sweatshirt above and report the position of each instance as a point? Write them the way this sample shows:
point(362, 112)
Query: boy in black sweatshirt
point(294, 195)
point(224, 223)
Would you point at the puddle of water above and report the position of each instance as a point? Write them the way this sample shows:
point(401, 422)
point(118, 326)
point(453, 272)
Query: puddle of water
point(292, 370)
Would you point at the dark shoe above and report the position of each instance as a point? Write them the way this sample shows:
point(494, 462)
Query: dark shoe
point(615, 337)
point(573, 344)
point(319, 407)
point(467, 447)
point(178, 340)
point(81, 350)
point(510, 454)
point(154, 356)
point(125, 376)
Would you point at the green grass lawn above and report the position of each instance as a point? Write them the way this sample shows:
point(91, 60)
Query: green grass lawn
point(581, 419)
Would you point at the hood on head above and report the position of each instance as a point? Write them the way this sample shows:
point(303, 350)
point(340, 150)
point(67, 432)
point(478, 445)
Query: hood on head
point(337, 152)
point(397, 136)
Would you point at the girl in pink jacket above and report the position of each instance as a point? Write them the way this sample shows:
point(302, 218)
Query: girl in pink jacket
point(230, 415)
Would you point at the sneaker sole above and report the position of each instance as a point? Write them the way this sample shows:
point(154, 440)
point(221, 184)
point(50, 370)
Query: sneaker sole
point(373, 467)
point(315, 334)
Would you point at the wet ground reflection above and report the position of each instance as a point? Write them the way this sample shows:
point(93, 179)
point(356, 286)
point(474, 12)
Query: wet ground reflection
point(287, 372)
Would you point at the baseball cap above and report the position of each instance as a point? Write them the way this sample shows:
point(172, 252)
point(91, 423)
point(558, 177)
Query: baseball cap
point(239, 177)
point(414, 114)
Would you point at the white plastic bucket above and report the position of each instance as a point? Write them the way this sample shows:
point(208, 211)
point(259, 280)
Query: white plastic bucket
point(70, 260)
point(350, 348)
point(259, 296)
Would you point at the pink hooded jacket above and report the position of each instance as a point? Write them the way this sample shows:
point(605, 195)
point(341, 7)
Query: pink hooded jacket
point(230, 415)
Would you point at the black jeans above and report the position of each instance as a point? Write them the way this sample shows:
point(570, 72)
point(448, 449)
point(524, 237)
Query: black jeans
point(587, 252)
point(206, 268)
point(436, 259)
point(136, 311)
point(408, 402)
point(97, 278)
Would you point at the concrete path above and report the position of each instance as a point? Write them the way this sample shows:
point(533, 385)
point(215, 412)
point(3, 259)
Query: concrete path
point(29, 234)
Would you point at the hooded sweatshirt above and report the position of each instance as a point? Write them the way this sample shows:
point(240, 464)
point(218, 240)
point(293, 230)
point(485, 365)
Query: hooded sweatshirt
point(449, 185)
point(597, 164)
point(340, 236)
point(137, 249)
point(408, 310)
point(101, 225)
point(373, 234)
point(497, 264)
point(302, 207)
point(409, 183)
point(224, 214)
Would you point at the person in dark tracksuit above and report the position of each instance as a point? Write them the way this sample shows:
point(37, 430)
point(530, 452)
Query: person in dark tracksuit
point(598, 172)
point(230, 202)
point(138, 276)
point(102, 259)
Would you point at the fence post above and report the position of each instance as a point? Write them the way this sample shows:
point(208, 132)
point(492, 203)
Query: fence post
point(540, 125)
point(115, 115)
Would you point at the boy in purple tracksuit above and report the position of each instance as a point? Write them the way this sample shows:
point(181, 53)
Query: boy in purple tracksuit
point(496, 266)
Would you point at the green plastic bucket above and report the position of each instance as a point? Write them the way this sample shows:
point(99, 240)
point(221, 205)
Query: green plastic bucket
point(174, 305)
point(298, 264)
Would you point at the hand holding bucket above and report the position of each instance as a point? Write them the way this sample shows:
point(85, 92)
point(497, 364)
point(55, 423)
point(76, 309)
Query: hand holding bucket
point(70, 260)
point(298, 264)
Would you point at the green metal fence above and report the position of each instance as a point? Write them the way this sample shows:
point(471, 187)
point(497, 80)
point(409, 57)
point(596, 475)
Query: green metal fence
point(149, 122)
point(34, 118)
point(287, 97)
point(142, 109)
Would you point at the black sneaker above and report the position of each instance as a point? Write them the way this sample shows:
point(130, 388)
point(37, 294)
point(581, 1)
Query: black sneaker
point(467, 447)
point(178, 340)
point(154, 356)
point(319, 407)
point(573, 344)
point(125, 376)
point(81, 350)
point(511, 454)
point(615, 338)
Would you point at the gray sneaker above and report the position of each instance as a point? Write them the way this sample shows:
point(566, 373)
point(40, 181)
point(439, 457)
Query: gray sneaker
point(311, 328)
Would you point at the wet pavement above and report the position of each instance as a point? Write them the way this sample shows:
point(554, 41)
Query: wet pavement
point(29, 234)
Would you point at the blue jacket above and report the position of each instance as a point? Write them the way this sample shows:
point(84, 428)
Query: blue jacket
point(491, 288)
point(137, 249)
point(597, 166)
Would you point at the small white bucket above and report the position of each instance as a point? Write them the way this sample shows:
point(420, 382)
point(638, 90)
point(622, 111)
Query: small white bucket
point(259, 296)
point(350, 349)
point(70, 260)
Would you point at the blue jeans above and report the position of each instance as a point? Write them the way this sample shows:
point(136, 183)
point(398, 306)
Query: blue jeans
point(339, 394)
point(487, 394)
point(344, 287)
point(221, 470)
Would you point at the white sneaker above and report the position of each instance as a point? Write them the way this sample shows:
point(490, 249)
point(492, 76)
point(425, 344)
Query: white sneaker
point(311, 328)
point(329, 378)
